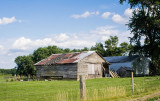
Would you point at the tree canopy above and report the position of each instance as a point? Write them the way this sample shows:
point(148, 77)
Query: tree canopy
point(145, 27)
point(25, 65)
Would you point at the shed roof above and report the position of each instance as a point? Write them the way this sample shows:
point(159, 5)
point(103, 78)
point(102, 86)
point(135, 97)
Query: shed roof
point(120, 59)
point(65, 58)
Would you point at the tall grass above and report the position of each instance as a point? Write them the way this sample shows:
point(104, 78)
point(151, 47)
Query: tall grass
point(96, 89)
point(106, 93)
point(94, 94)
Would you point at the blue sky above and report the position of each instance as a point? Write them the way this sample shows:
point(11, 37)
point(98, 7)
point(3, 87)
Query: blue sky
point(26, 25)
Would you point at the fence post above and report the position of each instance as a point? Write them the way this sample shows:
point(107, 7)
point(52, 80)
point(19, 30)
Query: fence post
point(15, 77)
point(82, 87)
point(132, 82)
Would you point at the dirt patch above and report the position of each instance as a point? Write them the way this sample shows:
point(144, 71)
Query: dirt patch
point(144, 98)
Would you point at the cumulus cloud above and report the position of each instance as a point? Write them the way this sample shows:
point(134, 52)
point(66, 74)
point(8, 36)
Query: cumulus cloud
point(62, 37)
point(119, 19)
point(124, 36)
point(23, 43)
point(128, 12)
point(5, 20)
point(85, 14)
point(2, 50)
point(105, 30)
point(1, 47)
point(103, 33)
point(124, 19)
point(105, 15)
point(61, 40)
point(104, 38)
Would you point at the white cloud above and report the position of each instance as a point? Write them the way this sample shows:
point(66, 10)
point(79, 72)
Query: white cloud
point(85, 14)
point(123, 36)
point(119, 19)
point(105, 30)
point(62, 40)
point(75, 44)
point(124, 19)
point(6, 20)
point(104, 38)
point(26, 44)
point(103, 33)
point(105, 15)
point(128, 12)
point(1, 47)
point(22, 43)
point(62, 37)
point(3, 51)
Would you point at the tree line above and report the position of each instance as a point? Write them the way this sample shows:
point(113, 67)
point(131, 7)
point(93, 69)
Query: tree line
point(25, 64)
point(8, 71)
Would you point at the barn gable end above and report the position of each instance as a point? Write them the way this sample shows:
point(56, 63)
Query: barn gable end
point(91, 66)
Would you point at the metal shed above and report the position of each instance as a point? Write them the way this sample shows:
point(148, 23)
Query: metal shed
point(140, 65)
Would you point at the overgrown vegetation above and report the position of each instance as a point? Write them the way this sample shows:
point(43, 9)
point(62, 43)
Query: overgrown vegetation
point(97, 89)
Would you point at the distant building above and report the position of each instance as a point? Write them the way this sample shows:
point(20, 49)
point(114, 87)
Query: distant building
point(123, 64)
point(71, 65)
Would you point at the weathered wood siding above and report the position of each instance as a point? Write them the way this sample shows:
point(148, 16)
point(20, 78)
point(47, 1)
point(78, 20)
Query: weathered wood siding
point(91, 66)
point(64, 70)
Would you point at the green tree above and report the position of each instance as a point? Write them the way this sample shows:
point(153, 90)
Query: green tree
point(85, 49)
point(99, 48)
point(66, 50)
point(111, 47)
point(25, 65)
point(76, 50)
point(125, 48)
point(112, 42)
point(145, 24)
point(40, 53)
point(54, 50)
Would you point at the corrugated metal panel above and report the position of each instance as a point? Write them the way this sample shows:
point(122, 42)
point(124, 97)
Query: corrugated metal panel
point(118, 59)
point(44, 61)
point(116, 66)
point(65, 58)
point(83, 55)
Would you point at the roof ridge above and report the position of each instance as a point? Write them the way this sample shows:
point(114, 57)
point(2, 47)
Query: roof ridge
point(73, 57)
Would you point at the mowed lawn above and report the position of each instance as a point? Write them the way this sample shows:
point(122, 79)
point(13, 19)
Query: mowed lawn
point(97, 89)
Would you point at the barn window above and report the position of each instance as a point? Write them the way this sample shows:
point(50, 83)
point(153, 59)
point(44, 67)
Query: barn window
point(91, 69)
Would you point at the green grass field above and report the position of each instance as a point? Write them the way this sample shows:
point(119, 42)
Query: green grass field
point(97, 89)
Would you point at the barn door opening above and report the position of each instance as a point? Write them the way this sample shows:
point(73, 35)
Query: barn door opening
point(105, 70)
point(91, 69)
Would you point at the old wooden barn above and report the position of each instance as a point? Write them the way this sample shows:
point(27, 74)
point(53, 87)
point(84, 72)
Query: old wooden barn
point(71, 65)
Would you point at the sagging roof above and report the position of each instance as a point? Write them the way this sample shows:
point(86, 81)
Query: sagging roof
point(120, 59)
point(64, 58)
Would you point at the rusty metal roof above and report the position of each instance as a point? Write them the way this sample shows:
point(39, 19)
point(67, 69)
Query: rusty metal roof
point(64, 58)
